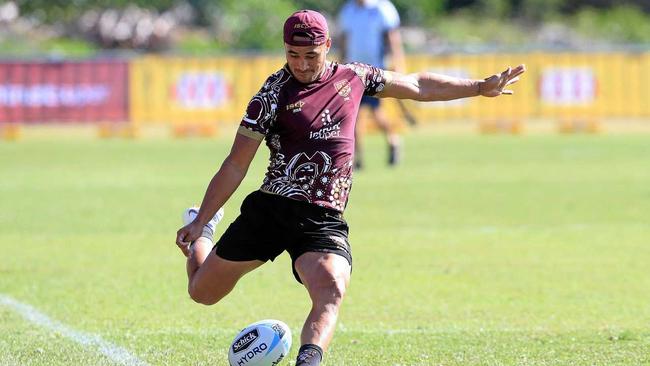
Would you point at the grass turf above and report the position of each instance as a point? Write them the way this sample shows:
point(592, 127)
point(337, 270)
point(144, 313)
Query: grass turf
point(477, 250)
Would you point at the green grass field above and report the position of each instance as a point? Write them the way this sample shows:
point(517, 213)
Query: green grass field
point(478, 250)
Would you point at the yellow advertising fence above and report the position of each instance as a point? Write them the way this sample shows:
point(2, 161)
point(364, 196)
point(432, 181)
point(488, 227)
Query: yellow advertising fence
point(557, 86)
point(195, 90)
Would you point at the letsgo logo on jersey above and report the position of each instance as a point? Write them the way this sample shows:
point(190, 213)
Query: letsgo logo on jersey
point(326, 133)
point(329, 130)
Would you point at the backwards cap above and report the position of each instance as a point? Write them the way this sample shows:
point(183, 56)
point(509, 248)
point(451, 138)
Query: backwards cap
point(305, 28)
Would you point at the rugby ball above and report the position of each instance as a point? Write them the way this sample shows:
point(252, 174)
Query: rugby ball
point(263, 343)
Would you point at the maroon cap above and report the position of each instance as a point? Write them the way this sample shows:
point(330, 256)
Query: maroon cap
point(308, 26)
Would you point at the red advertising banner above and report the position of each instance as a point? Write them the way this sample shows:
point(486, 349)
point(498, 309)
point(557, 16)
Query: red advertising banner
point(80, 91)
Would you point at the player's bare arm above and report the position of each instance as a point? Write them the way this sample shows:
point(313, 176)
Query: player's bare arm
point(221, 187)
point(428, 87)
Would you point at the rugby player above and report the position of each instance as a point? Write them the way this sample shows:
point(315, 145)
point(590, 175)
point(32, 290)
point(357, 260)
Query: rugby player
point(305, 112)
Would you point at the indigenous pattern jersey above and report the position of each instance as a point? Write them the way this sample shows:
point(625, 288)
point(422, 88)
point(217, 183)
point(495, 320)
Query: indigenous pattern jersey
point(309, 129)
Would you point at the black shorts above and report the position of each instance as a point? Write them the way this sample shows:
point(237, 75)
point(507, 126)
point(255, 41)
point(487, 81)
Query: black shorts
point(270, 224)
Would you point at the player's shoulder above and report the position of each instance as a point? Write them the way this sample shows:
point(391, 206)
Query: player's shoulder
point(277, 79)
point(354, 65)
point(281, 74)
point(358, 68)
point(347, 67)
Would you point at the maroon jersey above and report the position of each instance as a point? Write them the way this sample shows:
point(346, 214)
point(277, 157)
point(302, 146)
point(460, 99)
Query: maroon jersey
point(309, 129)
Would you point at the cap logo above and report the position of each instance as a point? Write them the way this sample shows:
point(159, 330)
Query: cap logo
point(305, 28)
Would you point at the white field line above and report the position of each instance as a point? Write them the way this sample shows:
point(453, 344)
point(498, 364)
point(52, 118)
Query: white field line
point(115, 353)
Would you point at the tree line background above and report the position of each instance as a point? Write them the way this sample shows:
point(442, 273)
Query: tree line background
point(209, 26)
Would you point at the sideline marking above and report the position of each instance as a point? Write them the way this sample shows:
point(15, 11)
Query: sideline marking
point(115, 353)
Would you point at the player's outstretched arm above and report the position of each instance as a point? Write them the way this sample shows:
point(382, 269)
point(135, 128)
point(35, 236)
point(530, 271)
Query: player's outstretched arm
point(221, 187)
point(428, 87)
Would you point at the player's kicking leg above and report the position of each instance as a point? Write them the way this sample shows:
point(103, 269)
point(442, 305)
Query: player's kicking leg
point(326, 277)
point(211, 277)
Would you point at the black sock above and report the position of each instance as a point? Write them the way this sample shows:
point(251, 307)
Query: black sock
point(309, 355)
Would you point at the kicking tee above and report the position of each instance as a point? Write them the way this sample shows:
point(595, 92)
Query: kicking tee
point(309, 130)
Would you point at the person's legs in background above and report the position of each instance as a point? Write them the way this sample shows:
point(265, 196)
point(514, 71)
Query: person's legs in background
point(380, 118)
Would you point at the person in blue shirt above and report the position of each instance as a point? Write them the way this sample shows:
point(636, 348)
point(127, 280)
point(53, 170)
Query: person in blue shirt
point(370, 30)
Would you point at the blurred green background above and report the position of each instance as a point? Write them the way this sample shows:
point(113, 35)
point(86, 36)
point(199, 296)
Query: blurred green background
point(84, 27)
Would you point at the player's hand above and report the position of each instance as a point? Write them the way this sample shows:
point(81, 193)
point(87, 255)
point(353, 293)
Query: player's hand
point(186, 235)
point(495, 84)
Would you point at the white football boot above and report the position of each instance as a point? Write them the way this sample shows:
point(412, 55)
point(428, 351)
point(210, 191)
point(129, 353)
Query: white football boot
point(208, 229)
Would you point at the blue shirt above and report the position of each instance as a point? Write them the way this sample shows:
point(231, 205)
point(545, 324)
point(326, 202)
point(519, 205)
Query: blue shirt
point(364, 27)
